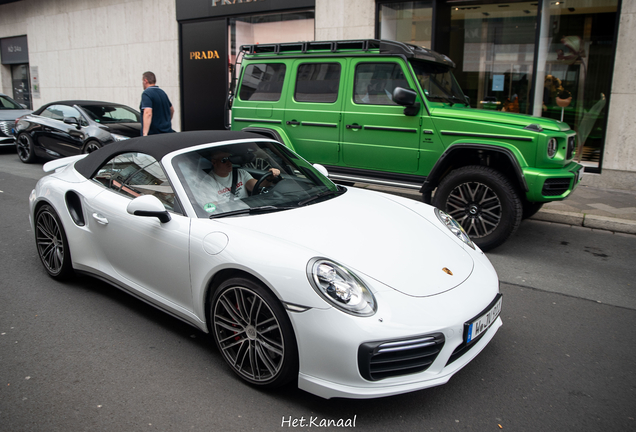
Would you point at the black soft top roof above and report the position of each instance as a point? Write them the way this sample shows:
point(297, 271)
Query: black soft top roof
point(77, 102)
point(157, 146)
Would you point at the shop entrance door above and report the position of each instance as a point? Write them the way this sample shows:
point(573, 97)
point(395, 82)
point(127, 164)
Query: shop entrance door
point(20, 83)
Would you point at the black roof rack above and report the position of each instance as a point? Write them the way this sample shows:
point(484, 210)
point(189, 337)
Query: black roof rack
point(349, 46)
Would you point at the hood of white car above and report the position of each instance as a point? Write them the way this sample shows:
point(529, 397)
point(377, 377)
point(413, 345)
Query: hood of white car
point(383, 237)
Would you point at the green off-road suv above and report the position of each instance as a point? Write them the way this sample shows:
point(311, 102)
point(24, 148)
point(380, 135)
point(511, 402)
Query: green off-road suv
point(389, 113)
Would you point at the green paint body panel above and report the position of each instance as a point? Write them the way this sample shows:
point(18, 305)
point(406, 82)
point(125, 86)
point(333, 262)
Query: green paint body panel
point(380, 140)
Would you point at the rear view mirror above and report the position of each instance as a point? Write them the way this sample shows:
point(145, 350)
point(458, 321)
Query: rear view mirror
point(321, 169)
point(149, 206)
point(406, 97)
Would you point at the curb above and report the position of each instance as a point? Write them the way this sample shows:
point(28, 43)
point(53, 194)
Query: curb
point(586, 220)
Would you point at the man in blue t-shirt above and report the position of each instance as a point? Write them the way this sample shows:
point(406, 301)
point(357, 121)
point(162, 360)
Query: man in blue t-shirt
point(156, 109)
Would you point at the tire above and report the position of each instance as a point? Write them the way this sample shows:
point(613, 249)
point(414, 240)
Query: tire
point(52, 244)
point(25, 147)
point(483, 201)
point(530, 209)
point(91, 146)
point(264, 355)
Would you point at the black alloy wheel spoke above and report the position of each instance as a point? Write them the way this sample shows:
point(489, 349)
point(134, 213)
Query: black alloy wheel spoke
point(249, 334)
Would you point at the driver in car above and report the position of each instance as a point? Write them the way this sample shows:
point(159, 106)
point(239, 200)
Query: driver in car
point(222, 175)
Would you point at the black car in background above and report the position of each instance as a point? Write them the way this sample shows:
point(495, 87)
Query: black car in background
point(9, 111)
point(67, 128)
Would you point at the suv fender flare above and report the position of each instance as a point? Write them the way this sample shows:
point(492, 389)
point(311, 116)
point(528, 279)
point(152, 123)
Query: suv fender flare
point(273, 132)
point(452, 154)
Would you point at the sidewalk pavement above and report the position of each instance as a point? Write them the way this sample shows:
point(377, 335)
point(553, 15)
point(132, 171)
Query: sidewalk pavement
point(605, 209)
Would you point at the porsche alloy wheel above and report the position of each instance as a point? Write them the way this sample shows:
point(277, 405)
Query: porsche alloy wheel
point(24, 147)
point(253, 332)
point(51, 243)
point(483, 201)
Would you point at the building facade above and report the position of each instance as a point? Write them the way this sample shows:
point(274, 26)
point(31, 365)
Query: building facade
point(570, 60)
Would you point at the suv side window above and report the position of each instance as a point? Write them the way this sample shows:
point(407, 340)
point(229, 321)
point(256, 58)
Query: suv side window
point(137, 174)
point(374, 83)
point(317, 82)
point(262, 82)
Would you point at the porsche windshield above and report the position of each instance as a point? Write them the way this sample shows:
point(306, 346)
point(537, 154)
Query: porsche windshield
point(438, 83)
point(249, 178)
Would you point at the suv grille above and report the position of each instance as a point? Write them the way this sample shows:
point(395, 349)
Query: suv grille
point(379, 360)
point(571, 147)
point(555, 186)
point(5, 128)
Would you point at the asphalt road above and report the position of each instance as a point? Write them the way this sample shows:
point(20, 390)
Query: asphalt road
point(82, 355)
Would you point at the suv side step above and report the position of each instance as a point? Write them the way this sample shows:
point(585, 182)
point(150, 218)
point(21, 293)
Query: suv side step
point(357, 179)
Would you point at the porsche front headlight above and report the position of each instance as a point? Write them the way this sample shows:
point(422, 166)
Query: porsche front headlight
point(340, 287)
point(454, 227)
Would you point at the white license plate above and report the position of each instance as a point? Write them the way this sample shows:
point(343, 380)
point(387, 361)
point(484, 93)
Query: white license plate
point(484, 321)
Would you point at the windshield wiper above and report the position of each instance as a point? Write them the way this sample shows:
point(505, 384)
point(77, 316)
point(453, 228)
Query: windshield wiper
point(320, 195)
point(250, 210)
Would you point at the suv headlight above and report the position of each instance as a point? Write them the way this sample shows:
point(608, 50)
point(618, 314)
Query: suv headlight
point(117, 137)
point(454, 227)
point(553, 146)
point(340, 287)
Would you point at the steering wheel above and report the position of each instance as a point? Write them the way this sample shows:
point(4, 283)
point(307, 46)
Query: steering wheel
point(257, 187)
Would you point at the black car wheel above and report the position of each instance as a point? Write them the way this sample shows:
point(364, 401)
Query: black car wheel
point(24, 146)
point(483, 201)
point(91, 146)
point(51, 243)
point(253, 331)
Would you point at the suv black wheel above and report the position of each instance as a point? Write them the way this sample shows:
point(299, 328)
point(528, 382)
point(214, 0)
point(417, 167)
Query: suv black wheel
point(254, 334)
point(24, 147)
point(483, 201)
point(52, 244)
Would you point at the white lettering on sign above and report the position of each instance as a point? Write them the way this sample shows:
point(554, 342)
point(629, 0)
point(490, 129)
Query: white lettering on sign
point(14, 48)
point(231, 2)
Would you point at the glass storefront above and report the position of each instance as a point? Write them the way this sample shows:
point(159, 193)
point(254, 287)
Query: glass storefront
point(574, 69)
point(516, 56)
point(269, 28)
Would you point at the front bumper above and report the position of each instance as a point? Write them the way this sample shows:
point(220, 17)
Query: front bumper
point(546, 185)
point(329, 341)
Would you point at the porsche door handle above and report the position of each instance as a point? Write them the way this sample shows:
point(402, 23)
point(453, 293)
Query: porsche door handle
point(100, 219)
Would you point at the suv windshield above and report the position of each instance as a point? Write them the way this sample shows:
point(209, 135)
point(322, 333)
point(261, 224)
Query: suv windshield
point(207, 176)
point(438, 83)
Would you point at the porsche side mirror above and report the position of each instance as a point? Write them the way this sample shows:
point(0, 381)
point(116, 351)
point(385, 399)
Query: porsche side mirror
point(71, 121)
point(149, 206)
point(406, 98)
point(321, 169)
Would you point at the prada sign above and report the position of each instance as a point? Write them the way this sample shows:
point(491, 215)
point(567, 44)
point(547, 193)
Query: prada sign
point(204, 55)
point(196, 9)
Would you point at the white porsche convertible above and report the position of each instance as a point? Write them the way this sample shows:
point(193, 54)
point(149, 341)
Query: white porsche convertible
point(348, 292)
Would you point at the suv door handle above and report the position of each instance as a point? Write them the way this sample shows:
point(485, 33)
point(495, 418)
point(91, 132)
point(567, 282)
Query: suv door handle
point(293, 122)
point(354, 126)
